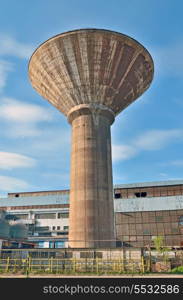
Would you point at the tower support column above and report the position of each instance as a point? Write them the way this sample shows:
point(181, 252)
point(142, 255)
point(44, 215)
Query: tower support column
point(91, 219)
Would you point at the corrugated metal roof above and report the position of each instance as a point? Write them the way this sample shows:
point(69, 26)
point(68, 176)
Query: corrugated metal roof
point(149, 184)
point(148, 204)
point(64, 198)
point(50, 191)
point(35, 200)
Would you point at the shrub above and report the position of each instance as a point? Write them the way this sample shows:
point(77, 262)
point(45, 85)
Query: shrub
point(177, 270)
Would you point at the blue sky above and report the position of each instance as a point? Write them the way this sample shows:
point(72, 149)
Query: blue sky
point(147, 137)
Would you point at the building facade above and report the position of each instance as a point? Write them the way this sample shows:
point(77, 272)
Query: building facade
point(142, 212)
point(44, 213)
point(146, 210)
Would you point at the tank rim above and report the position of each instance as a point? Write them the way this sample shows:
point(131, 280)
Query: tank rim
point(94, 29)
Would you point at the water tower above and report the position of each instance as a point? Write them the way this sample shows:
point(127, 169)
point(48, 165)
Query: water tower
point(91, 75)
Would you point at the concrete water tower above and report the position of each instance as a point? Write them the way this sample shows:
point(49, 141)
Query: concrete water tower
point(91, 75)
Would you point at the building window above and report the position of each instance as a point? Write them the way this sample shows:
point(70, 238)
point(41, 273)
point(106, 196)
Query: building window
point(59, 244)
point(58, 227)
point(11, 217)
point(45, 216)
point(42, 228)
point(159, 218)
point(66, 227)
point(21, 216)
point(16, 195)
point(86, 254)
point(117, 195)
point(137, 195)
point(146, 232)
point(44, 233)
point(62, 233)
point(51, 244)
point(53, 228)
point(63, 215)
point(142, 194)
point(40, 244)
point(181, 220)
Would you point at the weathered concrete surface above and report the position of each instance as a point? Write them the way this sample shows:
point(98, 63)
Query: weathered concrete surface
point(91, 198)
point(91, 75)
point(90, 65)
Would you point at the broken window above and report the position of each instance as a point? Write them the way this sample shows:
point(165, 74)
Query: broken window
point(137, 195)
point(181, 220)
point(142, 194)
point(117, 195)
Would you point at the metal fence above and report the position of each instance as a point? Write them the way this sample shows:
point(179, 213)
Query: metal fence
point(70, 266)
point(83, 261)
point(71, 261)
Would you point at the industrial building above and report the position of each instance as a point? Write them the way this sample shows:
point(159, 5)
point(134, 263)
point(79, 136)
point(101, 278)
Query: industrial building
point(142, 211)
point(44, 213)
point(146, 210)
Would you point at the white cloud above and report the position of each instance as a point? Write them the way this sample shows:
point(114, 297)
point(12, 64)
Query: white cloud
point(17, 111)
point(177, 163)
point(9, 46)
point(5, 68)
point(19, 130)
point(163, 175)
point(117, 178)
point(149, 141)
point(175, 178)
point(22, 118)
point(9, 184)
point(53, 141)
point(168, 59)
point(122, 152)
point(10, 160)
point(157, 139)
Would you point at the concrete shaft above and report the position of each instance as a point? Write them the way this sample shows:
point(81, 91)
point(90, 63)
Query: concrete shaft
point(91, 220)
